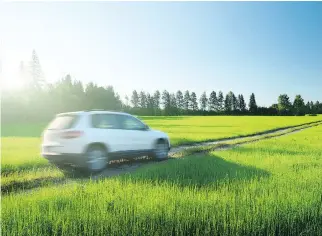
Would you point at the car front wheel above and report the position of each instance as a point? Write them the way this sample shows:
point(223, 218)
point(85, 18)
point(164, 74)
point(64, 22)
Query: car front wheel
point(161, 150)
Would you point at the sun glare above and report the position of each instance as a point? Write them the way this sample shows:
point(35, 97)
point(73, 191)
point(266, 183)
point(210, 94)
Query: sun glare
point(11, 83)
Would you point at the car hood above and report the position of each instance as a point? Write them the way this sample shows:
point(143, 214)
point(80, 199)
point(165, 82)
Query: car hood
point(160, 133)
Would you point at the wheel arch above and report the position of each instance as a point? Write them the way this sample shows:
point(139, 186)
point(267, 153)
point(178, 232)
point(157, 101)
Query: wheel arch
point(99, 144)
point(161, 139)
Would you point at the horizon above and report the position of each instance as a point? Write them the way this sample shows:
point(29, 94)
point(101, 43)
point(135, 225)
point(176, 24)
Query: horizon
point(265, 48)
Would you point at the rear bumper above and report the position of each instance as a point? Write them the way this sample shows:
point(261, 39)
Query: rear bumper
point(78, 160)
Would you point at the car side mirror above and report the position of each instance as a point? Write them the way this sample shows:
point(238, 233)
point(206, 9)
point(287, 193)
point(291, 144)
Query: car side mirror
point(146, 127)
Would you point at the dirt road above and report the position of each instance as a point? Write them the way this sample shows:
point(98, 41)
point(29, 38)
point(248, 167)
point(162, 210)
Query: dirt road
point(118, 168)
point(177, 153)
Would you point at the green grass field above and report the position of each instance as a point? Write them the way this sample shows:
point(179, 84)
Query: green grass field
point(184, 130)
point(270, 187)
point(21, 143)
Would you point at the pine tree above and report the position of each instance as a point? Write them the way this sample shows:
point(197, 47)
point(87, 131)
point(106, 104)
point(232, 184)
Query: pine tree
point(36, 73)
point(193, 100)
point(173, 104)
point(308, 108)
point(227, 104)
point(213, 103)
point(234, 103)
point(312, 106)
point(241, 103)
point(230, 102)
point(252, 104)
point(156, 100)
point(203, 101)
point(150, 104)
point(135, 99)
point(316, 107)
point(166, 101)
point(142, 100)
point(186, 101)
point(180, 100)
point(220, 101)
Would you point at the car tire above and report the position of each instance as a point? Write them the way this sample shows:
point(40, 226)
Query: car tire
point(161, 150)
point(97, 158)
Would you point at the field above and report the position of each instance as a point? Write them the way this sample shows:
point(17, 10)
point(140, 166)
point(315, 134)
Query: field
point(21, 143)
point(269, 187)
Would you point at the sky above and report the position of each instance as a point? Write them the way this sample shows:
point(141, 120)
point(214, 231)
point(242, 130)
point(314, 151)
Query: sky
point(268, 48)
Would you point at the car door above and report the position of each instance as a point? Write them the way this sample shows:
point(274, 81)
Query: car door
point(108, 130)
point(137, 135)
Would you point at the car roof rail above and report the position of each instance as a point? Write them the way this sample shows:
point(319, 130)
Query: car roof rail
point(88, 110)
point(94, 110)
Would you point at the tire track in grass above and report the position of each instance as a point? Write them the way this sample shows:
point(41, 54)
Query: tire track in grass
point(260, 133)
point(230, 143)
point(16, 186)
point(117, 168)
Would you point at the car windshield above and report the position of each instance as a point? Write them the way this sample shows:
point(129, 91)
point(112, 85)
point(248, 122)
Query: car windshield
point(131, 123)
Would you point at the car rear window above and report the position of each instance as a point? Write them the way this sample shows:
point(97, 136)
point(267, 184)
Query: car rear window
point(63, 122)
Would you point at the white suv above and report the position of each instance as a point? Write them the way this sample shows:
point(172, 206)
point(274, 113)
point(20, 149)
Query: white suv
point(91, 139)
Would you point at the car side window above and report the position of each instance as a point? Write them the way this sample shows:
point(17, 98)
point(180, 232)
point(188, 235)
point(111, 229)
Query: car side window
point(130, 123)
point(105, 121)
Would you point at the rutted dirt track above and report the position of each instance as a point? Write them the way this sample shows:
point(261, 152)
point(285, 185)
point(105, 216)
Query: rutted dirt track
point(118, 168)
point(122, 167)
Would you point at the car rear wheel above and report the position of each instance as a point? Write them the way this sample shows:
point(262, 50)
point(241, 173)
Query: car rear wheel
point(97, 158)
point(161, 150)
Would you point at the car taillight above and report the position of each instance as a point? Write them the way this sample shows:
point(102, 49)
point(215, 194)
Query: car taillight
point(72, 134)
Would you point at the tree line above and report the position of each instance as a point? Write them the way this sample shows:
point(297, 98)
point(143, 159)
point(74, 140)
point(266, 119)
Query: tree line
point(187, 103)
point(40, 101)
